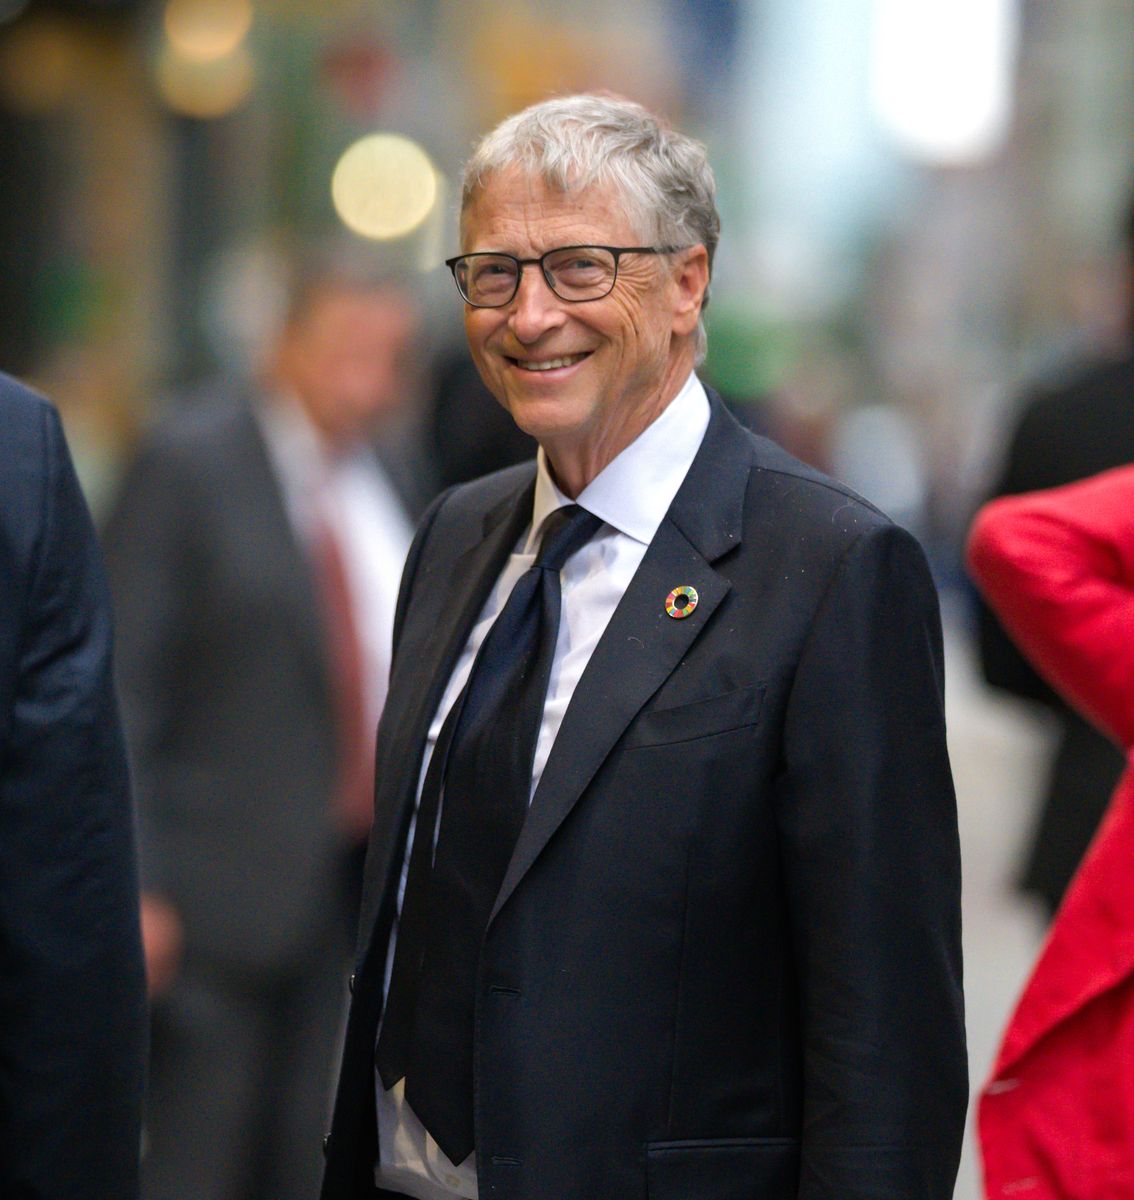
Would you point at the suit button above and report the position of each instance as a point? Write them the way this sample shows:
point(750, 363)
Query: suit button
point(327, 1143)
point(350, 983)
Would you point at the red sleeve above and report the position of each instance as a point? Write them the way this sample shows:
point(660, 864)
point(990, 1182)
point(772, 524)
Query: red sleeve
point(1058, 568)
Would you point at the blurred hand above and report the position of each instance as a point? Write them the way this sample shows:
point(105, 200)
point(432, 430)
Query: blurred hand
point(161, 942)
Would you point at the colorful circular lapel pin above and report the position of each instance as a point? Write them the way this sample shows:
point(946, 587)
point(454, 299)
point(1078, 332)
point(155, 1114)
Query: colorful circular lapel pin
point(681, 601)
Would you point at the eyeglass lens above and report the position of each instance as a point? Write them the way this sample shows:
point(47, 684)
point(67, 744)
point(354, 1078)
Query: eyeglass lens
point(575, 273)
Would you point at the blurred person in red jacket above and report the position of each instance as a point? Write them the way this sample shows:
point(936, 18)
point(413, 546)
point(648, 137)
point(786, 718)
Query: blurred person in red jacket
point(1056, 1120)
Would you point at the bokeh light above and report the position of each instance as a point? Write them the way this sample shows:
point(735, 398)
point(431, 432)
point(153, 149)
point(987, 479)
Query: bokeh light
point(40, 66)
point(207, 30)
point(204, 89)
point(942, 77)
point(384, 186)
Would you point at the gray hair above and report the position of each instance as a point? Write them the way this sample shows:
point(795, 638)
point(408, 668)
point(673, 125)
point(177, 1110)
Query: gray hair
point(575, 142)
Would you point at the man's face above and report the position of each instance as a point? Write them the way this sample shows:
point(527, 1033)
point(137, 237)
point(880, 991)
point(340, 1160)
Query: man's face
point(583, 379)
point(345, 358)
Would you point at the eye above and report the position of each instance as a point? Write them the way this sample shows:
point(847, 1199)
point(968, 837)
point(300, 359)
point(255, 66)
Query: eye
point(489, 275)
point(581, 267)
point(492, 269)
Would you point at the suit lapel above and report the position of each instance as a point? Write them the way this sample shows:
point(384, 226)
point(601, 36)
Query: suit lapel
point(431, 646)
point(642, 645)
point(431, 643)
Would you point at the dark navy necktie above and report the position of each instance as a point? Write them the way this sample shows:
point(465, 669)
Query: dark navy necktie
point(480, 780)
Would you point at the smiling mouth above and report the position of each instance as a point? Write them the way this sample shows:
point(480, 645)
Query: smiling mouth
point(548, 364)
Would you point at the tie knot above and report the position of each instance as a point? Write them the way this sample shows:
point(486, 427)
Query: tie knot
point(566, 530)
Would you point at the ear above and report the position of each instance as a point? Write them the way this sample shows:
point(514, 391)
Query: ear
point(690, 280)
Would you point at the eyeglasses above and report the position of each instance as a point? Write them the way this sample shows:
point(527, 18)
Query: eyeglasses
point(574, 273)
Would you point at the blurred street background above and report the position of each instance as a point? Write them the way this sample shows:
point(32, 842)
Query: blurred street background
point(923, 207)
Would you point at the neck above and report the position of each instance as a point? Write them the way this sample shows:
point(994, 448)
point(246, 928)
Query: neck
point(574, 465)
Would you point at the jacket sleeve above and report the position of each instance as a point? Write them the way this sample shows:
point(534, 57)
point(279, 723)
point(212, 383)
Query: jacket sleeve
point(147, 539)
point(872, 862)
point(1058, 567)
point(72, 992)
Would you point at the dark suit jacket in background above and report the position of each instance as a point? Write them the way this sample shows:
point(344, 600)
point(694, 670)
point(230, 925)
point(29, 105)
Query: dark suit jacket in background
point(72, 991)
point(226, 691)
point(725, 958)
point(225, 677)
point(1066, 431)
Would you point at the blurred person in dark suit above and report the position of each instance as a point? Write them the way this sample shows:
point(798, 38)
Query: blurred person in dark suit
point(72, 995)
point(254, 553)
point(1067, 430)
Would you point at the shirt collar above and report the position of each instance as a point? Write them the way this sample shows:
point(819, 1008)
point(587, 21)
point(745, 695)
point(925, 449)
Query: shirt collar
point(293, 438)
point(633, 492)
point(297, 445)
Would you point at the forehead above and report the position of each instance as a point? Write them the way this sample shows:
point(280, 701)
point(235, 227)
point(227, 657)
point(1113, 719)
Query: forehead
point(522, 214)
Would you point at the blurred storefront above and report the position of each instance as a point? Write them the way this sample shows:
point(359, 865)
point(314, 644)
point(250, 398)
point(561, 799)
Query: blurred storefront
point(920, 201)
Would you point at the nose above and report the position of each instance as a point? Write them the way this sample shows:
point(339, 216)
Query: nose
point(535, 308)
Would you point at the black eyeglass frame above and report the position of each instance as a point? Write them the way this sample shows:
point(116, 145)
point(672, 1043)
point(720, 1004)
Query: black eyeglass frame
point(616, 251)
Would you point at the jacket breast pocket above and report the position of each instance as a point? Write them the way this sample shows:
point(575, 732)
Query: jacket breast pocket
point(723, 1169)
point(697, 719)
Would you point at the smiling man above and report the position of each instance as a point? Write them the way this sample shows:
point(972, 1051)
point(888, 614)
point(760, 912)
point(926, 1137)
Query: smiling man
point(662, 893)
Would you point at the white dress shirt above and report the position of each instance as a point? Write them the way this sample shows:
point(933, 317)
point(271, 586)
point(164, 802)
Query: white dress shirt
point(631, 495)
point(350, 493)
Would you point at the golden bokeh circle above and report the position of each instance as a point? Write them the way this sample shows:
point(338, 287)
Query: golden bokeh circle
point(205, 89)
point(384, 186)
point(207, 30)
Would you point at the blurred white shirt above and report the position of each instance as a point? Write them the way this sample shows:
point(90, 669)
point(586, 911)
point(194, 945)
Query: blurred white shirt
point(351, 494)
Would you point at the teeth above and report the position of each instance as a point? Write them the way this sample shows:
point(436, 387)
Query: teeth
point(550, 364)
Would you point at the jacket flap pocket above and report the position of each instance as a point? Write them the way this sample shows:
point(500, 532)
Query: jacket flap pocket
point(724, 1169)
point(699, 718)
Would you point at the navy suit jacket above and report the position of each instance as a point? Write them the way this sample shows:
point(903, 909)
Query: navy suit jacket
point(72, 989)
point(724, 963)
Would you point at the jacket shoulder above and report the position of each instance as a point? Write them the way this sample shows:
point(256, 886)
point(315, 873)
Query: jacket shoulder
point(198, 427)
point(29, 424)
point(185, 455)
point(467, 505)
point(21, 408)
point(803, 500)
point(483, 494)
point(34, 453)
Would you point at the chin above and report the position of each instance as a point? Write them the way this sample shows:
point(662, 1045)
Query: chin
point(543, 417)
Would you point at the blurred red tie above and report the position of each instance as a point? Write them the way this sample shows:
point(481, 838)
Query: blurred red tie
point(354, 791)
